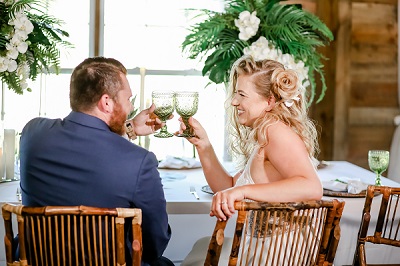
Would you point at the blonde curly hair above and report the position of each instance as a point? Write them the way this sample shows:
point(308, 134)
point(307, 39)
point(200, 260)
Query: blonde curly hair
point(270, 79)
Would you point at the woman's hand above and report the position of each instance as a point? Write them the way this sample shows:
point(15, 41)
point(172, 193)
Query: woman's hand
point(222, 205)
point(146, 122)
point(198, 130)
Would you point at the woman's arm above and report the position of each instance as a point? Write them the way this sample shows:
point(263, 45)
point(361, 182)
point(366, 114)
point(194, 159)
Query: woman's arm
point(217, 177)
point(288, 175)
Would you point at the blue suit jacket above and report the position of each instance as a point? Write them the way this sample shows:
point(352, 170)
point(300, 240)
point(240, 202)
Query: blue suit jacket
point(79, 161)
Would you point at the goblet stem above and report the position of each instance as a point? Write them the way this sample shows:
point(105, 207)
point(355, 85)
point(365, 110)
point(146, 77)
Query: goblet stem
point(378, 180)
point(164, 132)
point(188, 132)
point(164, 128)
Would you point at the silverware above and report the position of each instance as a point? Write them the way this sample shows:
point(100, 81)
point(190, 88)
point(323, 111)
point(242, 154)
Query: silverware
point(19, 195)
point(193, 191)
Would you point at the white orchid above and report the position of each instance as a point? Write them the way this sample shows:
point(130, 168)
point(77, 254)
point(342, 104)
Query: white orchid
point(17, 24)
point(17, 44)
point(262, 49)
point(23, 72)
point(12, 51)
point(11, 65)
point(3, 65)
point(247, 24)
point(22, 23)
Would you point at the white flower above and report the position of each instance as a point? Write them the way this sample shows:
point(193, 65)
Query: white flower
point(19, 44)
point(23, 73)
point(22, 47)
point(247, 24)
point(262, 49)
point(3, 65)
point(22, 23)
point(20, 35)
point(12, 51)
point(12, 65)
point(23, 70)
point(8, 2)
point(290, 102)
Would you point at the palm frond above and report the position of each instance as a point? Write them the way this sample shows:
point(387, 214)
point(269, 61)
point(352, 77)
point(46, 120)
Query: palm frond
point(287, 27)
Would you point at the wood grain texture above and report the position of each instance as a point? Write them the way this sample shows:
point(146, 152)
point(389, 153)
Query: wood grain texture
point(373, 94)
point(343, 81)
point(372, 116)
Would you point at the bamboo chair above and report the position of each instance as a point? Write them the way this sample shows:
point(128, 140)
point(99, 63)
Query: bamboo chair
point(72, 235)
point(387, 229)
point(302, 233)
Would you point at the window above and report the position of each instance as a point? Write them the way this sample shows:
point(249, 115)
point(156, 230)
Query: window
point(145, 36)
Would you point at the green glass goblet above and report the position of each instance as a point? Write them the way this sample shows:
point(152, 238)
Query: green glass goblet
point(378, 162)
point(186, 105)
point(165, 103)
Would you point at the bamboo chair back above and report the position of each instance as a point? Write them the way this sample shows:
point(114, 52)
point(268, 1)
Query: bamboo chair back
point(301, 233)
point(72, 235)
point(387, 228)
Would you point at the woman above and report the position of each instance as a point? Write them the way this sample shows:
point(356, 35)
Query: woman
point(272, 139)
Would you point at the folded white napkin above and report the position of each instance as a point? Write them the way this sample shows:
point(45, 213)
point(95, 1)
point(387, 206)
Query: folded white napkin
point(344, 184)
point(172, 162)
point(334, 185)
point(356, 186)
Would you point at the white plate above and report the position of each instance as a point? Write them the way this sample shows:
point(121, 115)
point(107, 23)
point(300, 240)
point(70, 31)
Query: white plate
point(207, 189)
point(171, 176)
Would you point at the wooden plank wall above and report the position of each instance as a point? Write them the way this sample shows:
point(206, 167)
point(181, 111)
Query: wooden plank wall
point(357, 112)
point(374, 78)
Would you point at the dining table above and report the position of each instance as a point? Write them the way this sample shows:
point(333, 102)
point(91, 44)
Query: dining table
point(189, 217)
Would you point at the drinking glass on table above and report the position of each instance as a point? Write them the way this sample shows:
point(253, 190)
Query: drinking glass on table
point(165, 103)
point(186, 105)
point(378, 162)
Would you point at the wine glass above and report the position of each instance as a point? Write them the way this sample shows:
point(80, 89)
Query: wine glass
point(186, 104)
point(164, 102)
point(378, 162)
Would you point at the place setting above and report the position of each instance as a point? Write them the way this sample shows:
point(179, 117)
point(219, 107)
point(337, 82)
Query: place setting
point(378, 161)
point(176, 163)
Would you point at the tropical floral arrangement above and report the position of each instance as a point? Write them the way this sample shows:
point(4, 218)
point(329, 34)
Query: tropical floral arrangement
point(265, 29)
point(30, 42)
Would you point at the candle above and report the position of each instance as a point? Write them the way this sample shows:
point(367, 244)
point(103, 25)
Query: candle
point(142, 76)
point(9, 152)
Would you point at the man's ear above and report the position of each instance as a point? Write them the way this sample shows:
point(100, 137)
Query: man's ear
point(105, 104)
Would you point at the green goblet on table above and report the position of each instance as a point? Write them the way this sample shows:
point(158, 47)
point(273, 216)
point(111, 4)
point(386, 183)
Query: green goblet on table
point(165, 103)
point(378, 162)
point(186, 105)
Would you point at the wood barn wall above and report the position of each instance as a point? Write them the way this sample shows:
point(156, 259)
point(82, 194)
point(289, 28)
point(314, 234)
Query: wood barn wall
point(358, 110)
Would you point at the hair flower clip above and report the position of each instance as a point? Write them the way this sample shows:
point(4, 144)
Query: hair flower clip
point(290, 102)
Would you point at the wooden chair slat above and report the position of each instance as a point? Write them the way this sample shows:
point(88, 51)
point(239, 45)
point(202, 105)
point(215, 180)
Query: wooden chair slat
point(72, 235)
point(296, 233)
point(386, 231)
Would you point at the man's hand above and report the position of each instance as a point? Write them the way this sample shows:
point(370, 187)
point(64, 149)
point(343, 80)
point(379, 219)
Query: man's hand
point(146, 122)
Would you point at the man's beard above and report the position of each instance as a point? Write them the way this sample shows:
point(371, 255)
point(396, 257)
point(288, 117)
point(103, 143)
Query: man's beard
point(117, 120)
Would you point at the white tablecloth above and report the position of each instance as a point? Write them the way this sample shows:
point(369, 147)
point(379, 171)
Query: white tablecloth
point(189, 217)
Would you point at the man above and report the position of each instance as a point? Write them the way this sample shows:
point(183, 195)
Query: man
point(83, 160)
